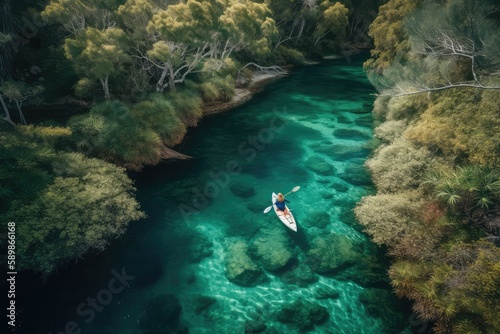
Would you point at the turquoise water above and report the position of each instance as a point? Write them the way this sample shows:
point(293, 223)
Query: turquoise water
point(311, 129)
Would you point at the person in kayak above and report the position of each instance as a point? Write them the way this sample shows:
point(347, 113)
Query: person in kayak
point(280, 204)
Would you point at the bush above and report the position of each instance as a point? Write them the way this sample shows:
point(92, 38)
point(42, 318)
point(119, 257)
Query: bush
point(446, 126)
point(400, 166)
point(159, 115)
point(84, 88)
point(406, 107)
point(111, 132)
point(380, 105)
point(389, 217)
point(187, 104)
point(390, 130)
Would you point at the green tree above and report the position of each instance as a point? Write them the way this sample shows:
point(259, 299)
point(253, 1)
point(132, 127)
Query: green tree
point(98, 55)
point(77, 15)
point(194, 32)
point(17, 92)
point(389, 35)
point(88, 202)
point(334, 20)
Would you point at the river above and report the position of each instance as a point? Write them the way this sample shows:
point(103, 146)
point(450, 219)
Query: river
point(312, 129)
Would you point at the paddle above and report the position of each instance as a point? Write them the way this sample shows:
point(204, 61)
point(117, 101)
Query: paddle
point(266, 210)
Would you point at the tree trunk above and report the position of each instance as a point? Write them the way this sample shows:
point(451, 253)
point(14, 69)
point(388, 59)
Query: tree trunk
point(105, 87)
point(7, 113)
point(21, 115)
point(159, 83)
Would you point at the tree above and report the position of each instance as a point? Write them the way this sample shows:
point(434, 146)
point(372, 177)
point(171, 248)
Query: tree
point(333, 20)
point(458, 46)
point(192, 32)
point(88, 202)
point(17, 92)
point(98, 54)
point(76, 15)
point(388, 33)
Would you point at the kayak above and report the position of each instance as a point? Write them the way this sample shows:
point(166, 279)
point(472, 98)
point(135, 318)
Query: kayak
point(287, 220)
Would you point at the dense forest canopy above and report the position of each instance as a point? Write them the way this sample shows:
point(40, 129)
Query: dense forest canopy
point(437, 171)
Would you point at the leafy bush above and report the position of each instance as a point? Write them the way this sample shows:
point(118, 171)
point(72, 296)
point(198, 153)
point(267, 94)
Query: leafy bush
point(159, 115)
point(388, 217)
point(84, 88)
point(390, 130)
point(187, 105)
point(446, 126)
point(400, 166)
point(111, 132)
point(405, 107)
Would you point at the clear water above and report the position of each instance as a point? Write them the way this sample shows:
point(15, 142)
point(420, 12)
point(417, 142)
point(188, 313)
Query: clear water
point(293, 120)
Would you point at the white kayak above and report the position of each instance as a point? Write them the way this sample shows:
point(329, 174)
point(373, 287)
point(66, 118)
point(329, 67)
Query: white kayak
point(287, 220)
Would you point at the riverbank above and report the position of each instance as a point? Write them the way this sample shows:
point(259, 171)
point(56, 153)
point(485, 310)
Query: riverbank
point(242, 95)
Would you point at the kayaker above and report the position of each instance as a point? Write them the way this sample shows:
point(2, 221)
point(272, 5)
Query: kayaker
point(280, 203)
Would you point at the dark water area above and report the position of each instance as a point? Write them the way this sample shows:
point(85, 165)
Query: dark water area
point(205, 218)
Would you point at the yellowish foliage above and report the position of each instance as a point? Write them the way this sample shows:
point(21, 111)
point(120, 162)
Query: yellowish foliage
point(388, 33)
point(462, 123)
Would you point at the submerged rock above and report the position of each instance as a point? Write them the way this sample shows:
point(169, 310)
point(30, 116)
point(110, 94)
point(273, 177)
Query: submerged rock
point(301, 275)
point(161, 315)
point(271, 248)
point(240, 268)
point(303, 314)
point(369, 271)
point(343, 119)
point(358, 176)
point(242, 190)
point(327, 195)
point(200, 247)
point(333, 253)
point(319, 166)
point(342, 188)
point(364, 121)
point(318, 219)
point(254, 326)
point(255, 207)
point(202, 303)
point(344, 202)
point(350, 134)
point(326, 293)
point(344, 152)
point(243, 226)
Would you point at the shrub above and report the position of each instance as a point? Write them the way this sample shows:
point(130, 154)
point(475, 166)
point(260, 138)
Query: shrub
point(187, 104)
point(390, 130)
point(388, 217)
point(84, 88)
point(406, 107)
point(111, 132)
point(159, 115)
point(446, 126)
point(400, 166)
